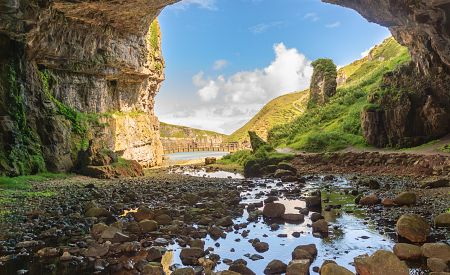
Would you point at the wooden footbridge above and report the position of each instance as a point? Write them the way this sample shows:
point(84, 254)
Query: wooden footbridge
point(224, 147)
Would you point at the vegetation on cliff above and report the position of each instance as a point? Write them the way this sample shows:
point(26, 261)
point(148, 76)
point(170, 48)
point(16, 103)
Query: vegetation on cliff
point(337, 125)
point(323, 82)
point(176, 131)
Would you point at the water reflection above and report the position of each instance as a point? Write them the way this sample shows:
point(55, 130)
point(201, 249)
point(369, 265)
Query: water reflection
point(203, 172)
point(349, 235)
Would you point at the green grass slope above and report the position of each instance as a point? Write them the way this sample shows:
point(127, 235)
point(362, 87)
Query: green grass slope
point(177, 131)
point(337, 125)
point(278, 111)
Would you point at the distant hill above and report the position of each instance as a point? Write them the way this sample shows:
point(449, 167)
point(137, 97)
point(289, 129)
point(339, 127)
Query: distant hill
point(176, 131)
point(280, 110)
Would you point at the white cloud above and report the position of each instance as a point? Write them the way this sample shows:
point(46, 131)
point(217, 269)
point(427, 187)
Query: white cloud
point(333, 25)
point(311, 16)
point(366, 52)
point(263, 27)
point(220, 64)
point(204, 4)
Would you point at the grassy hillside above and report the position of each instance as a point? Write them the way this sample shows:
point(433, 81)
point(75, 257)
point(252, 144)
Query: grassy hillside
point(337, 124)
point(278, 111)
point(177, 131)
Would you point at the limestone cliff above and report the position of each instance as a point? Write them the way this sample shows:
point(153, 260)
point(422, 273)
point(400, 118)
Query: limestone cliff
point(71, 71)
point(323, 82)
point(412, 105)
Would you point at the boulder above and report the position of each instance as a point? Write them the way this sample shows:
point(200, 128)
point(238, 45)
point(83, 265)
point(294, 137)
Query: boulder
point(279, 173)
point(163, 219)
point(413, 227)
point(315, 216)
point(405, 198)
point(275, 267)
point(369, 200)
point(96, 250)
point(442, 220)
point(225, 221)
point(48, 252)
point(97, 212)
point(437, 265)
point(152, 269)
point(183, 271)
point(380, 263)
point(313, 202)
point(386, 202)
point(408, 252)
point(148, 226)
point(241, 269)
point(210, 160)
point(320, 226)
point(260, 247)
point(298, 267)
point(334, 269)
point(294, 218)
point(436, 250)
point(435, 183)
point(143, 213)
point(287, 166)
point(190, 256)
point(97, 229)
point(274, 210)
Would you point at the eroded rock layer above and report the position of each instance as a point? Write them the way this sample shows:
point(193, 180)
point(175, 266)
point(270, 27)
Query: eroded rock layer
point(69, 70)
point(413, 104)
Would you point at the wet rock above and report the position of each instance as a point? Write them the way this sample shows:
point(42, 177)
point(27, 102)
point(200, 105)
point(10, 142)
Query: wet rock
point(154, 254)
point(435, 183)
point(275, 267)
point(260, 247)
point(183, 271)
point(413, 227)
point(27, 244)
point(405, 198)
point(287, 166)
point(406, 251)
point(225, 222)
point(216, 233)
point(152, 269)
point(96, 250)
point(97, 229)
point(109, 232)
point(48, 252)
point(197, 243)
point(313, 202)
point(241, 269)
point(163, 219)
point(210, 160)
point(66, 256)
point(143, 213)
point(387, 202)
point(436, 250)
point(256, 257)
point(320, 226)
point(279, 173)
point(334, 269)
point(303, 252)
point(298, 267)
point(437, 265)
point(190, 256)
point(442, 220)
point(380, 263)
point(316, 216)
point(274, 210)
point(227, 272)
point(294, 218)
point(369, 200)
point(148, 226)
point(97, 212)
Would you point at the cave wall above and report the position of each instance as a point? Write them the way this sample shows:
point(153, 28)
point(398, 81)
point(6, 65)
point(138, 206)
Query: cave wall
point(412, 104)
point(67, 63)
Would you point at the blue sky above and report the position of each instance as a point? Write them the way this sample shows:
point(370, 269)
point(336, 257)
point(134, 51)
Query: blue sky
point(226, 58)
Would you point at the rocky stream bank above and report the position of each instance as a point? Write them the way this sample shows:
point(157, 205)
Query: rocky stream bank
point(286, 222)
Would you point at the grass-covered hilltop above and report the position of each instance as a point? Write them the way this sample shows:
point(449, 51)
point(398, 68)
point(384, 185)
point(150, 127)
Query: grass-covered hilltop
point(332, 125)
point(328, 119)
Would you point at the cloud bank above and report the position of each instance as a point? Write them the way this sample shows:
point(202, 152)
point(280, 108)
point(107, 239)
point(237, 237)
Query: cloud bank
point(225, 103)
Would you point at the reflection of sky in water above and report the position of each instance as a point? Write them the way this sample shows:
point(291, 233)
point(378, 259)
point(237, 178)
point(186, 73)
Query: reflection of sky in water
point(342, 245)
point(209, 174)
point(195, 155)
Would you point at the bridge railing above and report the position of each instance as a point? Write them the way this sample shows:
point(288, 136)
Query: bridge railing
point(232, 147)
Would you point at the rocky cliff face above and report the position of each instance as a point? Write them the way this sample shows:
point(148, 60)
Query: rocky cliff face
point(323, 81)
point(74, 71)
point(413, 103)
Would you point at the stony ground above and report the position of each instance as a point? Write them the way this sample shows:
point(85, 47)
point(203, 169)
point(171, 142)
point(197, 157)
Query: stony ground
point(80, 221)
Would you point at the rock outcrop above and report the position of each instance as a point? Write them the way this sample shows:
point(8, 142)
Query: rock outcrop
point(323, 82)
point(412, 105)
point(68, 69)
